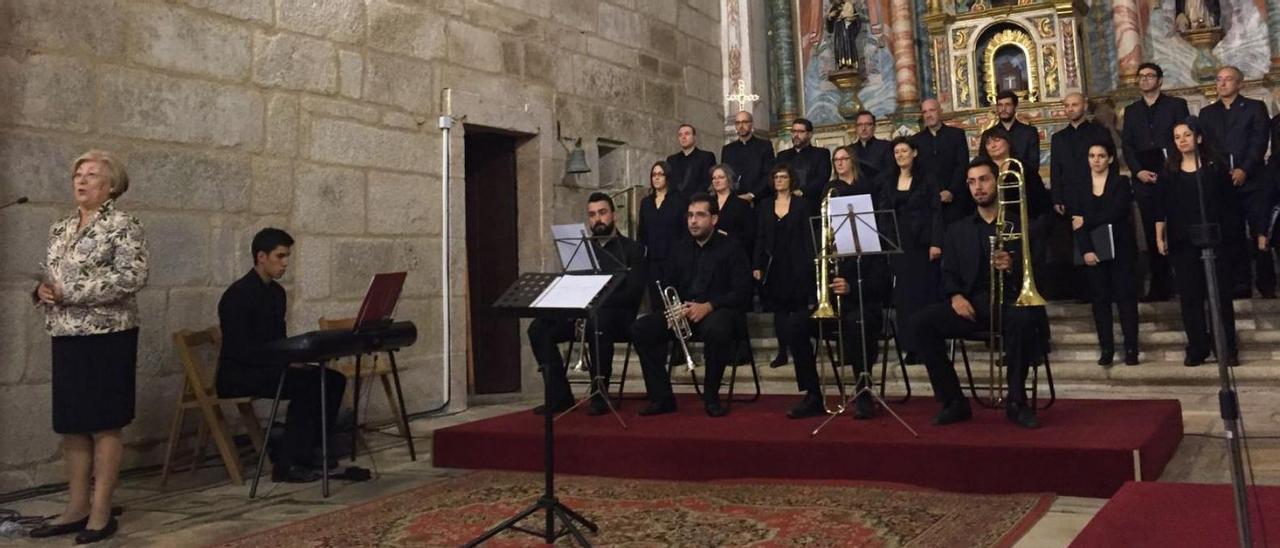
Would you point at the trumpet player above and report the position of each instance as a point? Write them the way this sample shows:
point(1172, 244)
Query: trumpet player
point(712, 276)
point(612, 319)
point(966, 271)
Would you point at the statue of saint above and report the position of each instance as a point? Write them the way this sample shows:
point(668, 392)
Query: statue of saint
point(1196, 14)
point(844, 22)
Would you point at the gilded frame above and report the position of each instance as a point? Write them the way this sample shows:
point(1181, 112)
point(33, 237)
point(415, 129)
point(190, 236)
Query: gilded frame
point(1022, 40)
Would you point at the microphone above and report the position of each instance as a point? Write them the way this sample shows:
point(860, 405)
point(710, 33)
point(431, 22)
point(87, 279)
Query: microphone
point(21, 200)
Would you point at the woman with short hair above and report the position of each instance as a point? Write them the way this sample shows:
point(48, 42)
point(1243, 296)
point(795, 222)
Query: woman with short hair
point(96, 262)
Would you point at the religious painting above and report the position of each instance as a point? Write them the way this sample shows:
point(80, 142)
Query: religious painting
point(1007, 60)
point(815, 52)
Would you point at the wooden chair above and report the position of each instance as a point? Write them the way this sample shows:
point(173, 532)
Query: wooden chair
point(198, 393)
point(382, 370)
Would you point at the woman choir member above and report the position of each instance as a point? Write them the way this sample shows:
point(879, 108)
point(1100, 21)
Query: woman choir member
point(783, 257)
point(1195, 190)
point(662, 222)
point(1109, 204)
point(736, 216)
point(913, 197)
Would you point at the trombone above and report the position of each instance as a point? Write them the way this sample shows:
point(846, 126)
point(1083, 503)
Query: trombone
point(1011, 186)
point(829, 308)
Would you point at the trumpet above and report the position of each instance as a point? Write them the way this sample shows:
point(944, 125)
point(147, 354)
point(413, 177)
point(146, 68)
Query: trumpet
point(673, 310)
point(828, 308)
point(580, 332)
point(1009, 181)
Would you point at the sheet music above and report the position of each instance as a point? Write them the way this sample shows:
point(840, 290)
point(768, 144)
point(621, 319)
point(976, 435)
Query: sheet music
point(576, 255)
point(862, 223)
point(572, 291)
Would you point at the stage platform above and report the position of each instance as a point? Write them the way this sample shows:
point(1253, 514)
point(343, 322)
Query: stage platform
point(1085, 448)
point(1181, 514)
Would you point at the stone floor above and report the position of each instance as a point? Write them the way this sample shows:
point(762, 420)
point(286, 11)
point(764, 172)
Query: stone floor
point(202, 507)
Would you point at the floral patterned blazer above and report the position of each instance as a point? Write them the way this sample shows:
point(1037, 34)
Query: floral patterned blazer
point(100, 270)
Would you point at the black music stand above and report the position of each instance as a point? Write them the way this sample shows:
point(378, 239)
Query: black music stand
point(521, 300)
point(853, 222)
point(601, 262)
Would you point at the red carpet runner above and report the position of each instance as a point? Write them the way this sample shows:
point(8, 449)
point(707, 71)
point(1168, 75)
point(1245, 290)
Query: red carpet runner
point(1180, 514)
point(1085, 448)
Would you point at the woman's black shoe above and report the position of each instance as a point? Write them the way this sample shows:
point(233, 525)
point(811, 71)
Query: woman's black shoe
point(45, 531)
point(1131, 357)
point(778, 361)
point(1106, 359)
point(90, 536)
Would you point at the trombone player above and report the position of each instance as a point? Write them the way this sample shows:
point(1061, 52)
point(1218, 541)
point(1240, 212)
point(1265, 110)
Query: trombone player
point(967, 267)
point(711, 276)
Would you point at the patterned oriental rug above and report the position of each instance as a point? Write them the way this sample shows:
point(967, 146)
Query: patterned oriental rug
point(643, 513)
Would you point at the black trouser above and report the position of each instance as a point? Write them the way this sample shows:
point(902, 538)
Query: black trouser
point(721, 331)
point(938, 323)
point(302, 389)
point(1188, 268)
point(1157, 264)
point(803, 331)
point(546, 333)
point(1112, 282)
point(782, 329)
point(1249, 217)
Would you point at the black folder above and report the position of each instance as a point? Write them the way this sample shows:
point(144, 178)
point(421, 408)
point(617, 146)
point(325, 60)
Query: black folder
point(1104, 244)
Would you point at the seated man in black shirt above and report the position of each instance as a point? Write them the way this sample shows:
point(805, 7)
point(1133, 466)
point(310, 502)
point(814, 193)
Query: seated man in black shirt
point(251, 314)
point(966, 283)
point(711, 273)
point(613, 318)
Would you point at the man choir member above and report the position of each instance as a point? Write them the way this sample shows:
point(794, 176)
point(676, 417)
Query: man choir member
point(617, 254)
point(1069, 177)
point(712, 275)
point(1024, 140)
point(1147, 139)
point(811, 165)
point(1236, 127)
point(691, 167)
point(966, 262)
point(751, 157)
point(873, 156)
point(943, 153)
point(251, 314)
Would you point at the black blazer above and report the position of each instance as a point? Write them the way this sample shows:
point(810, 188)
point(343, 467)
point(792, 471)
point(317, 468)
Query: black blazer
point(631, 254)
point(716, 272)
point(1150, 128)
point(1178, 203)
point(1114, 207)
point(877, 154)
point(737, 220)
point(660, 227)
point(812, 167)
point(752, 161)
point(797, 224)
point(917, 213)
point(965, 260)
point(1238, 135)
point(944, 158)
point(1069, 162)
point(692, 173)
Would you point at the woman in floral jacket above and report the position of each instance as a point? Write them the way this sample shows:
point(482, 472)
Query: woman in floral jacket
point(95, 265)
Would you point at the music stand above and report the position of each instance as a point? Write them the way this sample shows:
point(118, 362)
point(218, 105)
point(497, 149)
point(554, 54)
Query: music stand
point(531, 296)
point(571, 262)
point(867, 240)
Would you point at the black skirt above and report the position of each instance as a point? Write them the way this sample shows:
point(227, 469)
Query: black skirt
point(93, 381)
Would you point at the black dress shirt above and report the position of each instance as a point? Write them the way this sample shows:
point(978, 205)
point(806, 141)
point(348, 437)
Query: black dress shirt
point(812, 167)
point(1179, 199)
point(661, 227)
point(1114, 207)
point(1148, 129)
point(715, 272)
point(752, 161)
point(251, 314)
point(1238, 133)
point(1069, 171)
point(690, 173)
point(966, 265)
point(1024, 145)
point(945, 158)
point(874, 157)
point(621, 249)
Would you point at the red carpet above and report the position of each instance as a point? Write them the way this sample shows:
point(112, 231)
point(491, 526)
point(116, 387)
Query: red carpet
point(1085, 447)
point(1180, 514)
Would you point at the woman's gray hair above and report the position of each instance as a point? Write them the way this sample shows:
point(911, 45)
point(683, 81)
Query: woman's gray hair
point(117, 176)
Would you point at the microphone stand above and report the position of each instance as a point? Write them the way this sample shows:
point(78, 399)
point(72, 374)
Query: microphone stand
point(1205, 236)
point(21, 200)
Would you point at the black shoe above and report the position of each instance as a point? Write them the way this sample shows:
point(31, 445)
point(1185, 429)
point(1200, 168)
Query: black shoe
point(1131, 357)
point(715, 410)
point(90, 536)
point(864, 407)
point(1107, 358)
point(660, 407)
point(1268, 294)
point(1021, 415)
point(45, 531)
point(953, 412)
point(1233, 359)
point(1194, 359)
point(912, 358)
point(778, 361)
point(556, 408)
point(598, 407)
point(294, 474)
point(1155, 297)
point(810, 406)
point(1241, 293)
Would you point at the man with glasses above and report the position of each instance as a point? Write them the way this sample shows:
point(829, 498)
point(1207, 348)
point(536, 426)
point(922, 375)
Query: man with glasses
point(873, 156)
point(1147, 139)
point(1235, 127)
point(812, 165)
point(750, 157)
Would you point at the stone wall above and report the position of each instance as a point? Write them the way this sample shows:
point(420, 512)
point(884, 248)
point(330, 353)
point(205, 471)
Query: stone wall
point(318, 116)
